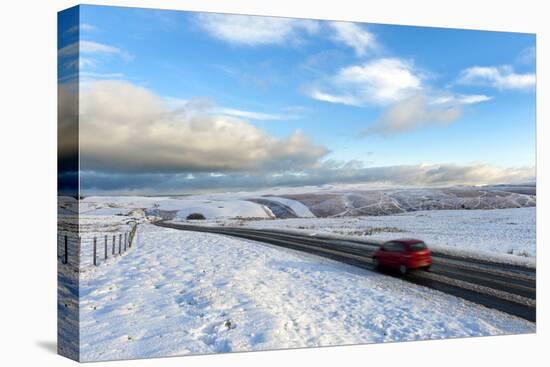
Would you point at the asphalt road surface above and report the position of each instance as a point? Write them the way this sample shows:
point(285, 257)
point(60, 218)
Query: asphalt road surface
point(505, 287)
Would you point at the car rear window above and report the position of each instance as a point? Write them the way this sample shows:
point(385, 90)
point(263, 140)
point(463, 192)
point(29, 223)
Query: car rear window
point(419, 246)
point(393, 247)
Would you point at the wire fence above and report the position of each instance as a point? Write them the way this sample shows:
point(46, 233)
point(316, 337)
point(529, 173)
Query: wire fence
point(84, 250)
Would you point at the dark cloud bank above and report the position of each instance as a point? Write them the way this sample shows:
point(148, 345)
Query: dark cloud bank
point(131, 142)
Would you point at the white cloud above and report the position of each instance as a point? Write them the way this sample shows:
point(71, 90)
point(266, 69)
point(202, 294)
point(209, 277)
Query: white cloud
point(85, 62)
point(206, 106)
point(413, 113)
point(398, 84)
point(130, 140)
point(87, 27)
point(501, 77)
point(69, 50)
point(383, 80)
point(82, 27)
point(379, 82)
point(127, 128)
point(88, 47)
point(255, 30)
point(260, 116)
point(83, 78)
point(473, 98)
point(423, 174)
point(84, 54)
point(95, 47)
point(442, 99)
point(354, 36)
point(79, 63)
point(462, 99)
point(331, 98)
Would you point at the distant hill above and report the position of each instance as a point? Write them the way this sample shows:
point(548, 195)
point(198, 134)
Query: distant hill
point(394, 201)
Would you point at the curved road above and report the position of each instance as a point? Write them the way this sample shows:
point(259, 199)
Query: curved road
point(505, 287)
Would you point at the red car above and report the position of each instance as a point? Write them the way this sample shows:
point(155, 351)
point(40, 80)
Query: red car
point(403, 255)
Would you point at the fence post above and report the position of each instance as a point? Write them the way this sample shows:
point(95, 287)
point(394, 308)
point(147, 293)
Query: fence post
point(119, 244)
point(105, 247)
point(114, 245)
point(95, 251)
point(66, 256)
point(130, 238)
point(133, 234)
point(125, 240)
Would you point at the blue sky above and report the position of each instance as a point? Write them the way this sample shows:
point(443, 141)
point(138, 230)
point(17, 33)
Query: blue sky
point(340, 100)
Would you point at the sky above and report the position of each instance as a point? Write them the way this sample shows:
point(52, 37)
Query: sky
point(179, 102)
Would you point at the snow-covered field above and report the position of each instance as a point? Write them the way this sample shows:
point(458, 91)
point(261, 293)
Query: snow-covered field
point(211, 206)
point(179, 292)
point(500, 231)
point(504, 231)
point(321, 201)
point(189, 293)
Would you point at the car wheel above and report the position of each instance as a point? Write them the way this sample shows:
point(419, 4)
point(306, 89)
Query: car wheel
point(375, 262)
point(403, 269)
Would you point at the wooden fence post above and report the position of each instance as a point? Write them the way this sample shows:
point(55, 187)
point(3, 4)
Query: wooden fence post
point(119, 244)
point(131, 238)
point(66, 255)
point(125, 240)
point(114, 236)
point(95, 251)
point(133, 234)
point(105, 247)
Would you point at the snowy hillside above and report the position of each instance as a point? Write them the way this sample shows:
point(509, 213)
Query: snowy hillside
point(175, 207)
point(394, 201)
point(440, 216)
point(320, 202)
point(188, 293)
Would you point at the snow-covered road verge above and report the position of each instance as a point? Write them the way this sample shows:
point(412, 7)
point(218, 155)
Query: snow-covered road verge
point(507, 235)
point(193, 293)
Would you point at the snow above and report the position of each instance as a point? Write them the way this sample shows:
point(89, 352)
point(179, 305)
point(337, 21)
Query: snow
point(211, 206)
point(224, 209)
point(320, 202)
point(491, 233)
point(495, 232)
point(177, 292)
point(182, 292)
point(300, 209)
point(395, 201)
point(80, 245)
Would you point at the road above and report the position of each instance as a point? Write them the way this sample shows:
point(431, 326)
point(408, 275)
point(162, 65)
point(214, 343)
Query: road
point(505, 287)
